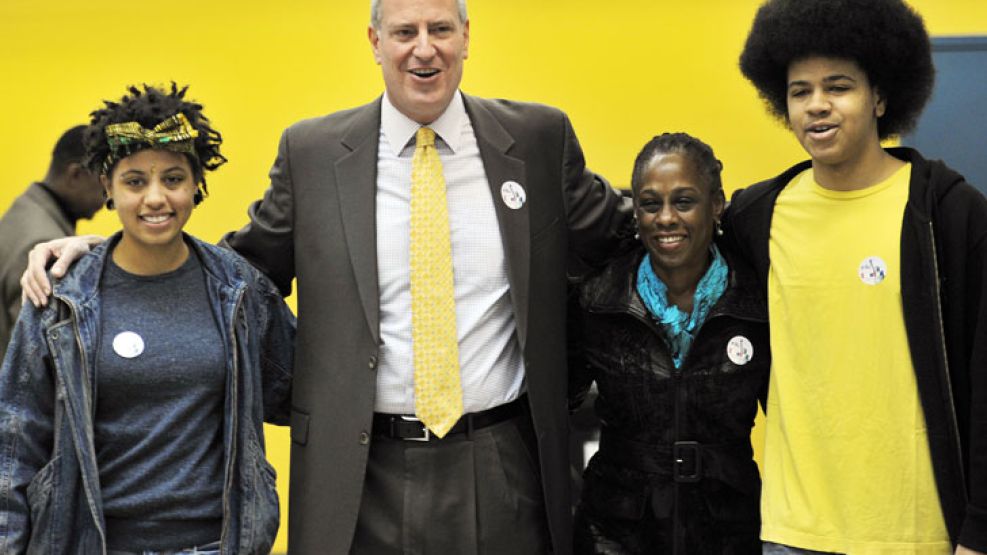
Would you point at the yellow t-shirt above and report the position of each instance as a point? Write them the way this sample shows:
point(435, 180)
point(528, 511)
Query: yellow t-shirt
point(846, 460)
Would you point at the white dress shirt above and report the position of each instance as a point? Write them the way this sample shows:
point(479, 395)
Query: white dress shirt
point(491, 366)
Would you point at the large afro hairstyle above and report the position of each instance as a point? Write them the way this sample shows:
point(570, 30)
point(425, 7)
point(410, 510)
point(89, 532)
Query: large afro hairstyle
point(886, 38)
point(149, 106)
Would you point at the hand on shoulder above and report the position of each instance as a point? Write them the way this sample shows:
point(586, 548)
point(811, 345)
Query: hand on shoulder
point(35, 286)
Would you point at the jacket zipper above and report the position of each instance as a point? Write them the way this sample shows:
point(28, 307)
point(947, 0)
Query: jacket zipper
point(233, 439)
point(945, 359)
point(90, 384)
point(678, 401)
point(678, 531)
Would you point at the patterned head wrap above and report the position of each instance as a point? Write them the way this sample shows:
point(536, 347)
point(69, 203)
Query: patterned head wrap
point(174, 133)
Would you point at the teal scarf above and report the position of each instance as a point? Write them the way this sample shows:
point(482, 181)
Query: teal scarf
point(679, 327)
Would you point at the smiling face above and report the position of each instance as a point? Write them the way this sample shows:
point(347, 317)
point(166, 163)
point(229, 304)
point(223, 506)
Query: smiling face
point(420, 46)
point(676, 215)
point(833, 111)
point(153, 192)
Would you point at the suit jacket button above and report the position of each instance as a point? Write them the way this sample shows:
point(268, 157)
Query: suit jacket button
point(364, 438)
point(372, 362)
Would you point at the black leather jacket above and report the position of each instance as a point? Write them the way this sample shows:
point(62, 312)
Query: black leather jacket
point(635, 496)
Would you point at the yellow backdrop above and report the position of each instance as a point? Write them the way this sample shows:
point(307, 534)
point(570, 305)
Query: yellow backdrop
point(624, 70)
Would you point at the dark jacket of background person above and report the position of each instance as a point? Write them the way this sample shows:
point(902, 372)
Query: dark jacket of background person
point(50, 498)
point(316, 223)
point(34, 217)
point(645, 405)
point(944, 300)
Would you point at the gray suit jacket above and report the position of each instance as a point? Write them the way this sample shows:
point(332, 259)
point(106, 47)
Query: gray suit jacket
point(316, 223)
point(33, 218)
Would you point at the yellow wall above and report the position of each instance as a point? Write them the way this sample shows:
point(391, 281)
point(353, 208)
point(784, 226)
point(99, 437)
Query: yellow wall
point(624, 70)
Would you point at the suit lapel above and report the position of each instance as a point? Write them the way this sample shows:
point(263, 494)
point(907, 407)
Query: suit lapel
point(494, 143)
point(356, 181)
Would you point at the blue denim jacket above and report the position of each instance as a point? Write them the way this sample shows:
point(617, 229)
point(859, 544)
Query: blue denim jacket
point(50, 499)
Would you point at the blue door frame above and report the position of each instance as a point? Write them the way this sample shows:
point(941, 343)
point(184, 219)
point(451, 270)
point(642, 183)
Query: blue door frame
point(953, 127)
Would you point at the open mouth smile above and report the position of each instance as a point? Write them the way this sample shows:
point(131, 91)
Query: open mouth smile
point(155, 218)
point(821, 130)
point(424, 73)
point(670, 242)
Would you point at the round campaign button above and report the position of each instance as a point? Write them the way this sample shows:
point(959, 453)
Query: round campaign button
point(873, 270)
point(128, 344)
point(513, 194)
point(740, 350)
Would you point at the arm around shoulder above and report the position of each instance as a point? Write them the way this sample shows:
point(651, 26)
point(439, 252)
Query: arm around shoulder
point(267, 241)
point(35, 285)
point(599, 218)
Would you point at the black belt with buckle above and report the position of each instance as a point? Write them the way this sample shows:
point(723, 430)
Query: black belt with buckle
point(685, 461)
point(410, 428)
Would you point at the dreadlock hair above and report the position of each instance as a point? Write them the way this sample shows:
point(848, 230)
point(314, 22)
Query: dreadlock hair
point(696, 151)
point(149, 106)
point(886, 38)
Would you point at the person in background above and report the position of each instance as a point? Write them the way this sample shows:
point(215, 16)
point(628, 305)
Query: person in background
point(47, 210)
point(133, 404)
point(873, 263)
point(676, 338)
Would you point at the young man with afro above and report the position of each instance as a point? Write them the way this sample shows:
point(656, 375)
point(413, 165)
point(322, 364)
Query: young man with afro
point(873, 263)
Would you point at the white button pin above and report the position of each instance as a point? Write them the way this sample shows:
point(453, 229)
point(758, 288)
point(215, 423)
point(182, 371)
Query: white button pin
point(873, 270)
point(128, 344)
point(740, 350)
point(513, 194)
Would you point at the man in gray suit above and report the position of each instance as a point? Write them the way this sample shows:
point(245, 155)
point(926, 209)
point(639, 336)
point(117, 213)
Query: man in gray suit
point(47, 210)
point(366, 474)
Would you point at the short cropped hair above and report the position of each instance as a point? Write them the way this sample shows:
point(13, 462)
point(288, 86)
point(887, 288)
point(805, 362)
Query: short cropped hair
point(375, 17)
point(69, 149)
point(699, 153)
point(886, 38)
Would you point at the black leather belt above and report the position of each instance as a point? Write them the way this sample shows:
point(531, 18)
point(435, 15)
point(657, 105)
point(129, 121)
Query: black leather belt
point(410, 428)
point(685, 461)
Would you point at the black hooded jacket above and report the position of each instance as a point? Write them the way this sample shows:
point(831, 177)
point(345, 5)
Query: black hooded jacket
point(944, 300)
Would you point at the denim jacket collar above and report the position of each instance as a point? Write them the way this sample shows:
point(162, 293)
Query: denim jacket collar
point(82, 284)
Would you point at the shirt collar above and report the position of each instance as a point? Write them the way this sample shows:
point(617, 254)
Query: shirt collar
point(399, 129)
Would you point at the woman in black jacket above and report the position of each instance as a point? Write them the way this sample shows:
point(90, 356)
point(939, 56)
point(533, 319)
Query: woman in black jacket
point(676, 339)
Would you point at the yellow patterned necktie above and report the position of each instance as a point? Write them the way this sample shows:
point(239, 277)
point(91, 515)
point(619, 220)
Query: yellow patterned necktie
point(438, 392)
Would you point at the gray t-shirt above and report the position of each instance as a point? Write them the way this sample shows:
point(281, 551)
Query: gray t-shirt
point(161, 383)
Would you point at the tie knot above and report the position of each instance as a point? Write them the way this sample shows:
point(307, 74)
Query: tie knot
point(425, 137)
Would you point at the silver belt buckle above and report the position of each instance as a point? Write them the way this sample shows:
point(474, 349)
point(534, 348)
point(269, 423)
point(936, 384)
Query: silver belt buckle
point(428, 433)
